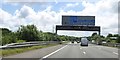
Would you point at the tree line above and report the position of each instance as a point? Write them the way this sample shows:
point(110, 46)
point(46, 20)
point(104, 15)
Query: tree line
point(30, 33)
point(111, 38)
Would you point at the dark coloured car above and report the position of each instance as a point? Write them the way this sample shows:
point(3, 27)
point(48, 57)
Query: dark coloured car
point(72, 41)
point(78, 41)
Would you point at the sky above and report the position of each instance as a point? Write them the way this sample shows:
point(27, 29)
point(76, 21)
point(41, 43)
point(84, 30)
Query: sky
point(45, 15)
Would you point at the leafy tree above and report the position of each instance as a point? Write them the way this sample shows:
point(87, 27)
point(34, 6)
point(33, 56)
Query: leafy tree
point(5, 31)
point(109, 35)
point(28, 33)
point(47, 36)
point(8, 39)
point(108, 39)
point(7, 36)
point(94, 34)
point(102, 36)
point(41, 35)
point(118, 39)
point(116, 35)
point(20, 41)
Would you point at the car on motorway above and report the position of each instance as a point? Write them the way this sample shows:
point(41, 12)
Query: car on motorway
point(104, 42)
point(78, 41)
point(72, 41)
point(84, 42)
point(117, 45)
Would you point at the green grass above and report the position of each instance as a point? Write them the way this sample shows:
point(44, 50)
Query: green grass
point(8, 52)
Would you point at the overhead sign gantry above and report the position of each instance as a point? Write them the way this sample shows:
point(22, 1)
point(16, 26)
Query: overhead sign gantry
point(78, 23)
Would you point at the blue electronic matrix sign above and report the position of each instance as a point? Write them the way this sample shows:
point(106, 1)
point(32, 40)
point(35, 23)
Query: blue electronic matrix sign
point(78, 20)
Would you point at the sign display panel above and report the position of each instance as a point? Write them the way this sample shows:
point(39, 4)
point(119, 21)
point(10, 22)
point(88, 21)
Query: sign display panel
point(78, 20)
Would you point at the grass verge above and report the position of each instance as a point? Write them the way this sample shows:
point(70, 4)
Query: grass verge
point(8, 52)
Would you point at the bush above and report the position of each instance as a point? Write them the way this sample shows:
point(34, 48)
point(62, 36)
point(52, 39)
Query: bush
point(118, 39)
point(20, 41)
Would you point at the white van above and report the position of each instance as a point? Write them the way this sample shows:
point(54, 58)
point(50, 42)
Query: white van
point(84, 42)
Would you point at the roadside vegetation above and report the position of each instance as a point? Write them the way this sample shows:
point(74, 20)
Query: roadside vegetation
point(112, 40)
point(8, 52)
point(30, 33)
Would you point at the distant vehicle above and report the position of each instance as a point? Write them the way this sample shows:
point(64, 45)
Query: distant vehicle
point(99, 42)
point(117, 45)
point(104, 42)
point(72, 41)
point(93, 41)
point(78, 41)
point(84, 42)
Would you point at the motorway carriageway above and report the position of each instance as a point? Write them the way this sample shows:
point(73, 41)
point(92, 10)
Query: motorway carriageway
point(69, 51)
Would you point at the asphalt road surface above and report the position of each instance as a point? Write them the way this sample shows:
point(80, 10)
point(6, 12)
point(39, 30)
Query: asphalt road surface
point(71, 51)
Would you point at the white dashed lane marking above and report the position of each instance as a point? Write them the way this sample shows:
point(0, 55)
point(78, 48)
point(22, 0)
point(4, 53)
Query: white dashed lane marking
point(84, 52)
point(115, 53)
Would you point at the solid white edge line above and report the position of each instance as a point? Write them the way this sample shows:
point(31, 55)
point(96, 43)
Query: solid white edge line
point(54, 52)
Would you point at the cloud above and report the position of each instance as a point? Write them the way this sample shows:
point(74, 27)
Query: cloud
point(106, 17)
point(105, 12)
point(44, 20)
point(8, 21)
point(25, 11)
point(24, 1)
point(70, 6)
